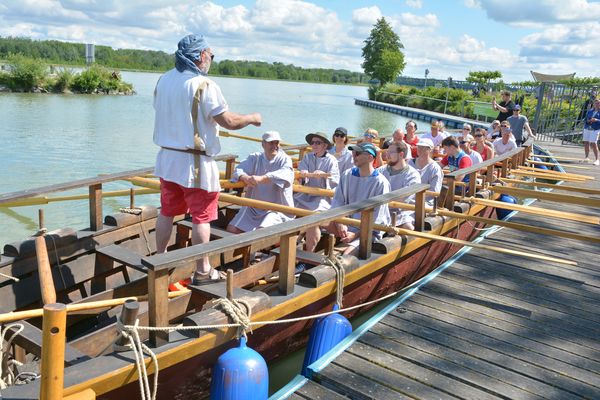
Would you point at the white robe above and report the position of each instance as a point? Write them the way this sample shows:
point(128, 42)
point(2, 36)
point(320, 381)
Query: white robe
point(279, 191)
point(353, 188)
point(432, 175)
point(344, 159)
point(312, 163)
point(407, 177)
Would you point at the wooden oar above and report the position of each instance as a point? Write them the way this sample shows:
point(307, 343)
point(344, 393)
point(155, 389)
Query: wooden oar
point(33, 201)
point(552, 186)
point(536, 194)
point(552, 164)
point(356, 223)
point(44, 271)
point(252, 139)
point(535, 174)
point(92, 305)
point(557, 173)
point(558, 158)
point(298, 175)
point(506, 224)
point(587, 219)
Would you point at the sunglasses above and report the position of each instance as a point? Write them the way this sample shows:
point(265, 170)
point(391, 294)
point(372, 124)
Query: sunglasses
point(316, 143)
point(466, 129)
point(479, 135)
point(339, 134)
point(463, 142)
point(369, 135)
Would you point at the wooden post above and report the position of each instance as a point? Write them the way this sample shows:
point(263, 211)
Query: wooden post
point(158, 305)
point(472, 183)
point(44, 271)
point(53, 351)
point(131, 198)
point(394, 216)
point(329, 249)
point(96, 207)
point(504, 171)
point(420, 211)
point(287, 263)
point(450, 195)
point(229, 167)
point(41, 219)
point(230, 284)
point(489, 175)
point(367, 218)
point(128, 315)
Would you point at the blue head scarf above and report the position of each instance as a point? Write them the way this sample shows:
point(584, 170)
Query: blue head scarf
point(189, 50)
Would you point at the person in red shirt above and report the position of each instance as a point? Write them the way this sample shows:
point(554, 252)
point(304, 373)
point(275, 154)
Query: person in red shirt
point(411, 137)
point(455, 158)
point(480, 146)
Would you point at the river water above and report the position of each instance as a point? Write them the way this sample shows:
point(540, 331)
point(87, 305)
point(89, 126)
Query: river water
point(48, 139)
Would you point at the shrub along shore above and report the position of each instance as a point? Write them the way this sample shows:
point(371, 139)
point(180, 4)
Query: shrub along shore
point(25, 74)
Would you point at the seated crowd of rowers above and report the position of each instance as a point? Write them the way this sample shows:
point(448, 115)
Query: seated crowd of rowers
point(355, 173)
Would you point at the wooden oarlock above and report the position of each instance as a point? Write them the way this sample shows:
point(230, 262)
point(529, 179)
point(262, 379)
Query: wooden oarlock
point(128, 315)
point(54, 327)
point(230, 284)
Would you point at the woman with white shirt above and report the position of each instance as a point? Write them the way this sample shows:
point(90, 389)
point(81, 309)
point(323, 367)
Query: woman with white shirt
point(431, 172)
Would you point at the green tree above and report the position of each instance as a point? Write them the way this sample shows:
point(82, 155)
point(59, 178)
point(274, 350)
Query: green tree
point(26, 73)
point(483, 78)
point(383, 59)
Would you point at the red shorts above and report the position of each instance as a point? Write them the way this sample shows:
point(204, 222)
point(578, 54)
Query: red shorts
point(176, 200)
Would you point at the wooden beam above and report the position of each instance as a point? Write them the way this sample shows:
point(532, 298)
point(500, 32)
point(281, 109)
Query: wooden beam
point(87, 394)
point(54, 328)
point(158, 305)
point(367, 218)
point(449, 201)
point(548, 164)
point(542, 175)
point(96, 217)
point(44, 271)
point(558, 158)
point(420, 211)
point(287, 263)
point(558, 173)
point(557, 197)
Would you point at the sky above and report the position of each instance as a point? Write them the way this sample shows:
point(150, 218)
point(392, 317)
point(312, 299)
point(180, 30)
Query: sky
point(447, 37)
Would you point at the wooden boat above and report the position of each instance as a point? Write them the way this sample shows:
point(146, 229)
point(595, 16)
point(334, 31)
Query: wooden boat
point(94, 270)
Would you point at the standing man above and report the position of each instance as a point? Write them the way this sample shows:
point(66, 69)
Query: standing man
point(591, 130)
point(517, 123)
point(189, 108)
point(505, 106)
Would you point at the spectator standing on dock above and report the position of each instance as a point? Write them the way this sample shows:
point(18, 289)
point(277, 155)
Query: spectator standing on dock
point(518, 123)
point(411, 137)
point(505, 106)
point(591, 131)
point(357, 184)
point(505, 143)
point(340, 151)
point(269, 177)
point(435, 136)
point(480, 146)
point(400, 175)
point(318, 169)
point(189, 108)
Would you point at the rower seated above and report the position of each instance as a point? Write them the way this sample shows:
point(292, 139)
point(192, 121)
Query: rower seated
point(400, 175)
point(269, 177)
point(357, 184)
point(455, 158)
point(318, 162)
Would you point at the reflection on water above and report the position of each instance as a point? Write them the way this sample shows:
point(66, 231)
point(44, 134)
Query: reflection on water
point(48, 139)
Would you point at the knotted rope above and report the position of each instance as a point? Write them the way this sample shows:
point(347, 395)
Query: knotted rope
point(239, 311)
point(7, 378)
point(137, 211)
point(337, 263)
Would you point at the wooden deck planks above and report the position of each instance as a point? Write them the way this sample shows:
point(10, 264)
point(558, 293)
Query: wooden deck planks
point(490, 326)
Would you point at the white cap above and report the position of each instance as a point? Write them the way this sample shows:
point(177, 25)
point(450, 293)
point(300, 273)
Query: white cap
point(270, 136)
point(425, 142)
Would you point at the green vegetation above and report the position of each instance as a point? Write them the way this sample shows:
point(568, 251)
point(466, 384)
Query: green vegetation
point(383, 59)
point(32, 75)
point(62, 53)
point(483, 78)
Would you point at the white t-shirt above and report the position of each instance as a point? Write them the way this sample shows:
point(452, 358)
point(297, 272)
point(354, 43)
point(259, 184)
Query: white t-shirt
point(475, 157)
point(437, 140)
point(173, 127)
point(501, 148)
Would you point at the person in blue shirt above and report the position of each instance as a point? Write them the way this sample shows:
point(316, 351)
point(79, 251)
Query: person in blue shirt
point(591, 131)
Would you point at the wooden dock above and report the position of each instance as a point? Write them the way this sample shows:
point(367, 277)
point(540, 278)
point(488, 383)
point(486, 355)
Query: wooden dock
point(488, 326)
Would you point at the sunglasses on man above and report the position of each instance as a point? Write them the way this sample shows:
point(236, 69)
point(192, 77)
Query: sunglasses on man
point(369, 135)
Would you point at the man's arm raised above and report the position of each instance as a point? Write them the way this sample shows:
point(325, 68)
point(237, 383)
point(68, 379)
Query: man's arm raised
point(234, 121)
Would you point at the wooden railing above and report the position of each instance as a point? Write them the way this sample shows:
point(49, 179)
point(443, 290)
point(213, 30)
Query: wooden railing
point(285, 234)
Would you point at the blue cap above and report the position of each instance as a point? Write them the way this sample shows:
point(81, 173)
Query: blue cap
point(364, 147)
point(517, 107)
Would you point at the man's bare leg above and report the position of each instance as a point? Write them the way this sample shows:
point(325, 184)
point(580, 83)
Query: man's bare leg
point(201, 234)
point(313, 235)
point(164, 227)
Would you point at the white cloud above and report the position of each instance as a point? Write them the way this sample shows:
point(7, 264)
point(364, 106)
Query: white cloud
point(539, 12)
point(414, 3)
point(472, 3)
point(563, 41)
point(366, 16)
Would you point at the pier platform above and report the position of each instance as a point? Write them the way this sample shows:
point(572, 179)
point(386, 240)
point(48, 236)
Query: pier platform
point(488, 326)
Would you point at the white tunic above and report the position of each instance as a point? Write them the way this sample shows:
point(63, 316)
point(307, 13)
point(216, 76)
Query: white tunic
point(353, 188)
point(312, 163)
point(398, 180)
point(437, 140)
point(501, 148)
point(432, 175)
point(279, 191)
point(173, 127)
point(344, 159)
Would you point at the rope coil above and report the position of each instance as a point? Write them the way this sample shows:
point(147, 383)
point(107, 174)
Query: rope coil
point(239, 311)
point(7, 377)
